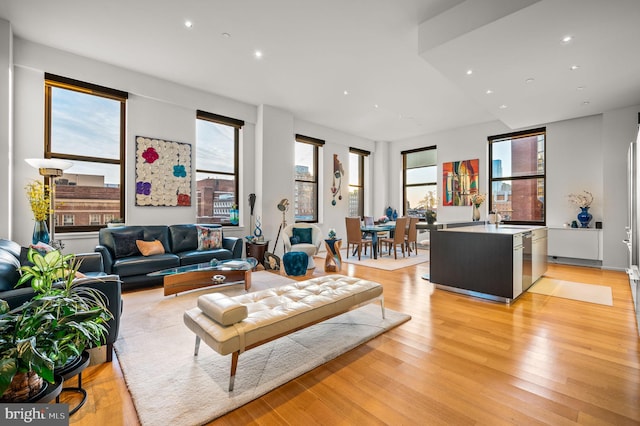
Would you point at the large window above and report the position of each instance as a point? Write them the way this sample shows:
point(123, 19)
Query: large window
point(517, 176)
point(356, 181)
point(85, 124)
point(217, 147)
point(419, 175)
point(306, 178)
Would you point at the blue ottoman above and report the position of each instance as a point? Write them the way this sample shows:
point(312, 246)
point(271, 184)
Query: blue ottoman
point(295, 262)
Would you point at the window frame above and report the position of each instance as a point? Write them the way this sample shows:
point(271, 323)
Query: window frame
point(237, 126)
point(51, 81)
point(404, 174)
point(316, 143)
point(360, 186)
point(543, 175)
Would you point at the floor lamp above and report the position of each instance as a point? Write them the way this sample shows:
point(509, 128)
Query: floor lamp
point(50, 168)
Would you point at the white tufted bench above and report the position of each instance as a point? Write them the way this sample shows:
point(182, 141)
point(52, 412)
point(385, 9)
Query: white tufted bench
point(231, 325)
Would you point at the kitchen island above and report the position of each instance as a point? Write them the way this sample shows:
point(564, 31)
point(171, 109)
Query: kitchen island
point(493, 262)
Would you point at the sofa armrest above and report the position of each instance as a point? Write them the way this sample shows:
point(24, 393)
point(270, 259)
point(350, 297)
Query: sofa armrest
point(90, 262)
point(234, 245)
point(107, 260)
point(110, 286)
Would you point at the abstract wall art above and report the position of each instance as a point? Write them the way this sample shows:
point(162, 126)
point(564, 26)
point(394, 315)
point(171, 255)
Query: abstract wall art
point(163, 172)
point(336, 184)
point(459, 181)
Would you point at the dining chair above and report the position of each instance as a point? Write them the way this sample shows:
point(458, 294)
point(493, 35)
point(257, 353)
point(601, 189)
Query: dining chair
point(398, 238)
point(411, 239)
point(354, 237)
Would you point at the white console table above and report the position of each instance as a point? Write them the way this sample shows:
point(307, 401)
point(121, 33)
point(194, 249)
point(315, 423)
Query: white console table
point(576, 243)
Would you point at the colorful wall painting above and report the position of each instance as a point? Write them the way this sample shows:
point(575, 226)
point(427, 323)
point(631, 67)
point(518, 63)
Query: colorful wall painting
point(163, 172)
point(459, 180)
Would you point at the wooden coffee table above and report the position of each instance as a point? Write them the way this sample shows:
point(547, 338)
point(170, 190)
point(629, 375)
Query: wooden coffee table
point(191, 277)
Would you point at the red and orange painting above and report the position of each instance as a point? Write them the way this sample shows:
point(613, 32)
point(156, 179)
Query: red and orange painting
point(459, 181)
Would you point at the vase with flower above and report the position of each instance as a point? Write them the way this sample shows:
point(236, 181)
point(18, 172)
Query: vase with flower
point(431, 203)
point(38, 196)
point(476, 201)
point(583, 201)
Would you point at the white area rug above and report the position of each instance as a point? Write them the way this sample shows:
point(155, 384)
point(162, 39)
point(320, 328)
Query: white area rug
point(599, 294)
point(386, 262)
point(170, 386)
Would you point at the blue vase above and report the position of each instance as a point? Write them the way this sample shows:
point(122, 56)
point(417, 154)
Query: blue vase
point(395, 214)
point(584, 217)
point(389, 212)
point(234, 216)
point(40, 232)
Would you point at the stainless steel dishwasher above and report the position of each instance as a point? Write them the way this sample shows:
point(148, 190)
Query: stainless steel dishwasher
point(527, 277)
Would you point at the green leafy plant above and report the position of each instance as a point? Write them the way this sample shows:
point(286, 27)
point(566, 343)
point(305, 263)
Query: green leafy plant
point(56, 325)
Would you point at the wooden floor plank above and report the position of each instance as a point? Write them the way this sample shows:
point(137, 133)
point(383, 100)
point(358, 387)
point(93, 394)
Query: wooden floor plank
point(462, 360)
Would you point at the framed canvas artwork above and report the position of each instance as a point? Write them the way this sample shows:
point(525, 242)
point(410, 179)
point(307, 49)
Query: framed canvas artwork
point(459, 181)
point(163, 172)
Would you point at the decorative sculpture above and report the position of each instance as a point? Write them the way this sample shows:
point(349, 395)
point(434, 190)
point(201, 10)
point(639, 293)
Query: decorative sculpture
point(338, 172)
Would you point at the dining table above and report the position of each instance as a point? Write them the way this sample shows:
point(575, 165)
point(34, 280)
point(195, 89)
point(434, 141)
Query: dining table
point(373, 231)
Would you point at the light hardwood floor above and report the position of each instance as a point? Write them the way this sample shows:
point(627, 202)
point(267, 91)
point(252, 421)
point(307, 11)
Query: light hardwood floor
point(460, 360)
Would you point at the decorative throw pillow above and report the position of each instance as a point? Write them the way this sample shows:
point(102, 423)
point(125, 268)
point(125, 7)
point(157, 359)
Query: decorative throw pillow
point(294, 240)
point(304, 234)
point(209, 238)
point(125, 243)
point(148, 248)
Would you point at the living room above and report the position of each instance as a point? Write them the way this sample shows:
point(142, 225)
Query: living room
point(586, 151)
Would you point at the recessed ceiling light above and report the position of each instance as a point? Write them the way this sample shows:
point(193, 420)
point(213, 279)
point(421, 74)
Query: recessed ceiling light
point(489, 91)
point(503, 106)
point(580, 88)
point(226, 35)
point(346, 92)
point(529, 80)
point(469, 72)
point(574, 67)
point(586, 102)
point(188, 24)
point(375, 105)
point(567, 39)
point(258, 54)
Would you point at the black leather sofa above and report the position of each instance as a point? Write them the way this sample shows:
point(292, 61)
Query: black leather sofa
point(91, 266)
point(180, 243)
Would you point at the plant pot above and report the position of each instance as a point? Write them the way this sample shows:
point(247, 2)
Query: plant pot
point(23, 387)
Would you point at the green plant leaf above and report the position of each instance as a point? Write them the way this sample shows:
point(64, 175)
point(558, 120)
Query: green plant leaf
point(8, 369)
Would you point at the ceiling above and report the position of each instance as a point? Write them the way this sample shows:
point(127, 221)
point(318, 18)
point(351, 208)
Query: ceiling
point(403, 62)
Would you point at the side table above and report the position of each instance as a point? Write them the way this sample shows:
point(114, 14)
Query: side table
point(257, 250)
point(75, 368)
point(333, 261)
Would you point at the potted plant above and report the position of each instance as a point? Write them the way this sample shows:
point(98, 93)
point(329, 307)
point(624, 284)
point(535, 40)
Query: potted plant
point(431, 203)
point(55, 326)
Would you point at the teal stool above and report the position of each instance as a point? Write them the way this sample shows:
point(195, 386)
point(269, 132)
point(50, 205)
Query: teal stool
point(295, 263)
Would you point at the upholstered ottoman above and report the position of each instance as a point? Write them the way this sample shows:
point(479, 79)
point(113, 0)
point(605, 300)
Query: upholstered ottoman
point(295, 263)
point(231, 325)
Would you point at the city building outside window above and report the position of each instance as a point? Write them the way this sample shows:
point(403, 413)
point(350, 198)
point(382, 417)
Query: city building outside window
point(306, 178)
point(85, 124)
point(217, 168)
point(356, 181)
point(517, 176)
point(419, 180)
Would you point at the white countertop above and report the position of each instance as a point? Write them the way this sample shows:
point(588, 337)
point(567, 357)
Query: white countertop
point(492, 229)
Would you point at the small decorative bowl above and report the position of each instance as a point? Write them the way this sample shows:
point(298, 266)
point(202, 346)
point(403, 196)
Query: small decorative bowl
point(218, 279)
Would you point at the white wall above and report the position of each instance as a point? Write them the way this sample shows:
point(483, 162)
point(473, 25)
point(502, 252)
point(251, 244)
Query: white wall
point(587, 153)
point(6, 140)
point(158, 108)
point(619, 129)
point(465, 143)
